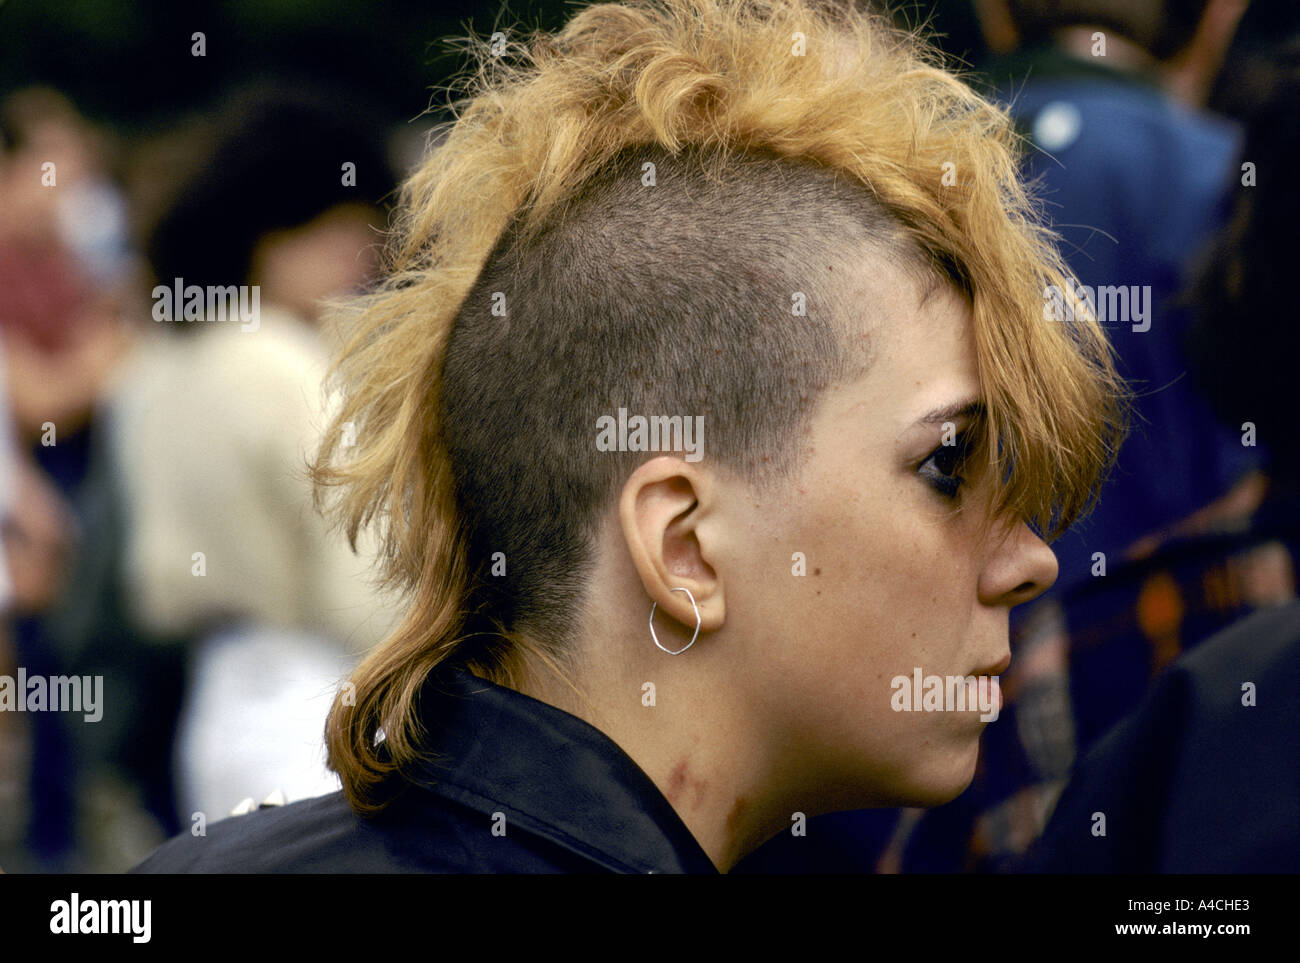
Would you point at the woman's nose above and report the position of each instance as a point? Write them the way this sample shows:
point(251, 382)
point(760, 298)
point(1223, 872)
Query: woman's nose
point(1020, 568)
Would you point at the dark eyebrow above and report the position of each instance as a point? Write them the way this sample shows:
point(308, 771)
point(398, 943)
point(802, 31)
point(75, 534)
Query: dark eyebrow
point(954, 412)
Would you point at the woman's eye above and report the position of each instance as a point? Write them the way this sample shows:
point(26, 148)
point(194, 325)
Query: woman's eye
point(940, 469)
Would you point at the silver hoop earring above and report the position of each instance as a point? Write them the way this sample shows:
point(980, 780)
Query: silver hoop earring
point(697, 623)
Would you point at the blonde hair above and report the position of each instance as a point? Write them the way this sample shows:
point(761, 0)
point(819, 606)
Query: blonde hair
point(815, 83)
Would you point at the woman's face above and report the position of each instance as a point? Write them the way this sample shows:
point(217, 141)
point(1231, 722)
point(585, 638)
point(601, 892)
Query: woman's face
point(896, 576)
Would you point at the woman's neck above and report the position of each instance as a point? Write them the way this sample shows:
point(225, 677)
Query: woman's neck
point(676, 723)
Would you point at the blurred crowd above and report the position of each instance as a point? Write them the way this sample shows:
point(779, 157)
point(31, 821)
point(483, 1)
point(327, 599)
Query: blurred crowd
point(158, 526)
point(158, 530)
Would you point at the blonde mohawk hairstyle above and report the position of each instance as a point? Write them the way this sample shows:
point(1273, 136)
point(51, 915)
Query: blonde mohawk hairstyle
point(819, 84)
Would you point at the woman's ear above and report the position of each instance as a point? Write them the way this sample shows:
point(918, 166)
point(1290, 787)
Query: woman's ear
point(660, 509)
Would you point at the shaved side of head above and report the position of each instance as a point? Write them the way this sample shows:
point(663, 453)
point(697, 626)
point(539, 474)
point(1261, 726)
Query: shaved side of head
point(663, 288)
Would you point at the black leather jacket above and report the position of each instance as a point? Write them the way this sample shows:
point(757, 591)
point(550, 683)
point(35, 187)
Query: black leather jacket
point(518, 787)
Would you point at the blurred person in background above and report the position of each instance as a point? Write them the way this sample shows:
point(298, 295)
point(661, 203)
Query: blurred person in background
point(64, 267)
point(211, 422)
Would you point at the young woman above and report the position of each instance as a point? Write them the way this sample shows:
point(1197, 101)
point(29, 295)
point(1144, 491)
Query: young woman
point(709, 405)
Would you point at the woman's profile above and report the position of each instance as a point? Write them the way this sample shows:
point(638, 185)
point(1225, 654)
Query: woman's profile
point(710, 419)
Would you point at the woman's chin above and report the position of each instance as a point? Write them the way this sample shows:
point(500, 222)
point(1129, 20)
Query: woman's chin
point(938, 786)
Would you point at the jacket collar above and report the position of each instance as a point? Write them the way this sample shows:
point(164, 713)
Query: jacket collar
point(497, 750)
